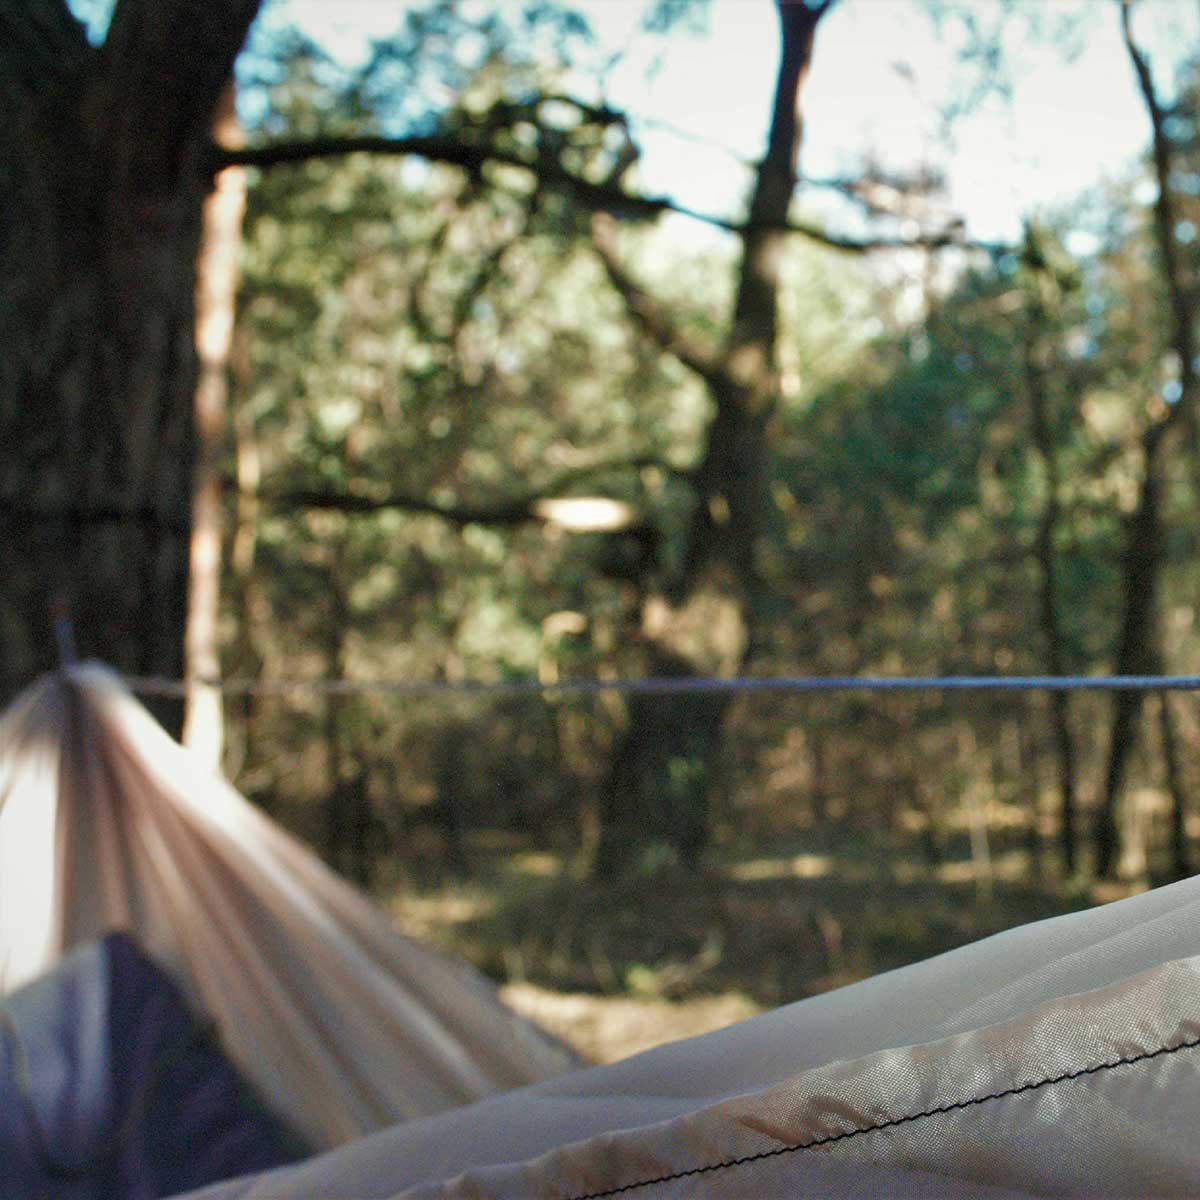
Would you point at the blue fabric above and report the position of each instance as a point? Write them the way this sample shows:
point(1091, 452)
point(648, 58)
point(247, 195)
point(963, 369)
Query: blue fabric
point(111, 1089)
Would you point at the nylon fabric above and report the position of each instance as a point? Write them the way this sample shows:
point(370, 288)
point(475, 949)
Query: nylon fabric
point(342, 1024)
point(1085, 1097)
point(88, 1054)
point(1059, 1051)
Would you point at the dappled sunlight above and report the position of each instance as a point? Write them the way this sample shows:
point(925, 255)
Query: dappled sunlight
point(586, 514)
point(1012, 867)
point(426, 914)
point(618, 966)
point(610, 1028)
point(800, 866)
point(539, 863)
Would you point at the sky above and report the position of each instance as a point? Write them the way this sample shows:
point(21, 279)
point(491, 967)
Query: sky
point(879, 82)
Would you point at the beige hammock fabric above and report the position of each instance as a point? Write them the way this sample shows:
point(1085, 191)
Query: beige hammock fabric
point(343, 1025)
point(1058, 1059)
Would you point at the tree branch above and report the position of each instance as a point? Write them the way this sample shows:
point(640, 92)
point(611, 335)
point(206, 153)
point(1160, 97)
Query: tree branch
point(599, 197)
point(489, 268)
point(518, 510)
point(515, 512)
point(645, 311)
point(1182, 337)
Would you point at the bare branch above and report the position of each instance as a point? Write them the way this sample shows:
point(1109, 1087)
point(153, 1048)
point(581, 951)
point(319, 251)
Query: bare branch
point(645, 311)
point(489, 268)
point(518, 510)
point(599, 197)
point(1182, 337)
point(515, 512)
point(420, 281)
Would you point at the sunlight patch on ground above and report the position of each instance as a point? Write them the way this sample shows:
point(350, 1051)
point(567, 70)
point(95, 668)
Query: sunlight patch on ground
point(536, 862)
point(609, 1028)
point(1010, 867)
point(427, 915)
point(802, 866)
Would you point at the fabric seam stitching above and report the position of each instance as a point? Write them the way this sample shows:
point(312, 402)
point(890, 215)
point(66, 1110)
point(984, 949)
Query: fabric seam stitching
point(1190, 1044)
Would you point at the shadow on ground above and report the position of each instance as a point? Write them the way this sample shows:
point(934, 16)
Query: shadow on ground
point(770, 927)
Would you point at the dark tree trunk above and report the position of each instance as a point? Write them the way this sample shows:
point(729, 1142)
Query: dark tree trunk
point(1036, 382)
point(356, 794)
point(1137, 648)
point(339, 805)
point(670, 747)
point(104, 158)
point(1136, 651)
point(660, 781)
point(451, 785)
point(732, 477)
point(1180, 859)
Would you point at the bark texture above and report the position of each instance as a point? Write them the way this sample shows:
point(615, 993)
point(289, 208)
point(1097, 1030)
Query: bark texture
point(104, 166)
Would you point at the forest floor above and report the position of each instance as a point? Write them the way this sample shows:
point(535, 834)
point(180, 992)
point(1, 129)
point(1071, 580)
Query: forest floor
point(617, 968)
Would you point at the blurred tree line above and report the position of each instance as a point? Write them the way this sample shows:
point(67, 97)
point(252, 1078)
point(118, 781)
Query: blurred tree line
point(968, 483)
point(793, 451)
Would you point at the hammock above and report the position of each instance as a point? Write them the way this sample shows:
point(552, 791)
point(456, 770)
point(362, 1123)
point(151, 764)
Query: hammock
point(341, 1024)
point(88, 1053)
point(1058, 1059)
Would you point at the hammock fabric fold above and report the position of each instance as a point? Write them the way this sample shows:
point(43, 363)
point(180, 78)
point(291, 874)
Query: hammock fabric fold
point(341, 1024)
point(89, 1052)
point(1061, 1058)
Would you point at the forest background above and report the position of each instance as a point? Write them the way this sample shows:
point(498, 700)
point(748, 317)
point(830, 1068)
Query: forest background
point(497, 378)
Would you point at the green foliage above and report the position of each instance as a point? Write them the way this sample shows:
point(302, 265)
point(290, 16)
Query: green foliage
point(411, 330)
point(663, 16)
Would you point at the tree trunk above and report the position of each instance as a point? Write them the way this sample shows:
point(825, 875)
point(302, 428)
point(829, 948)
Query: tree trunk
point(1138, 647)
point(1180, 864)
point(362, 824)
point(103, 171)
point(339, 816)
point(1047, 565)
point(251, 612)
point(732, 477)
point(661, 778)
point(1136, 650)
point(451, 784)
point(670, 753)
point(216, 288)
